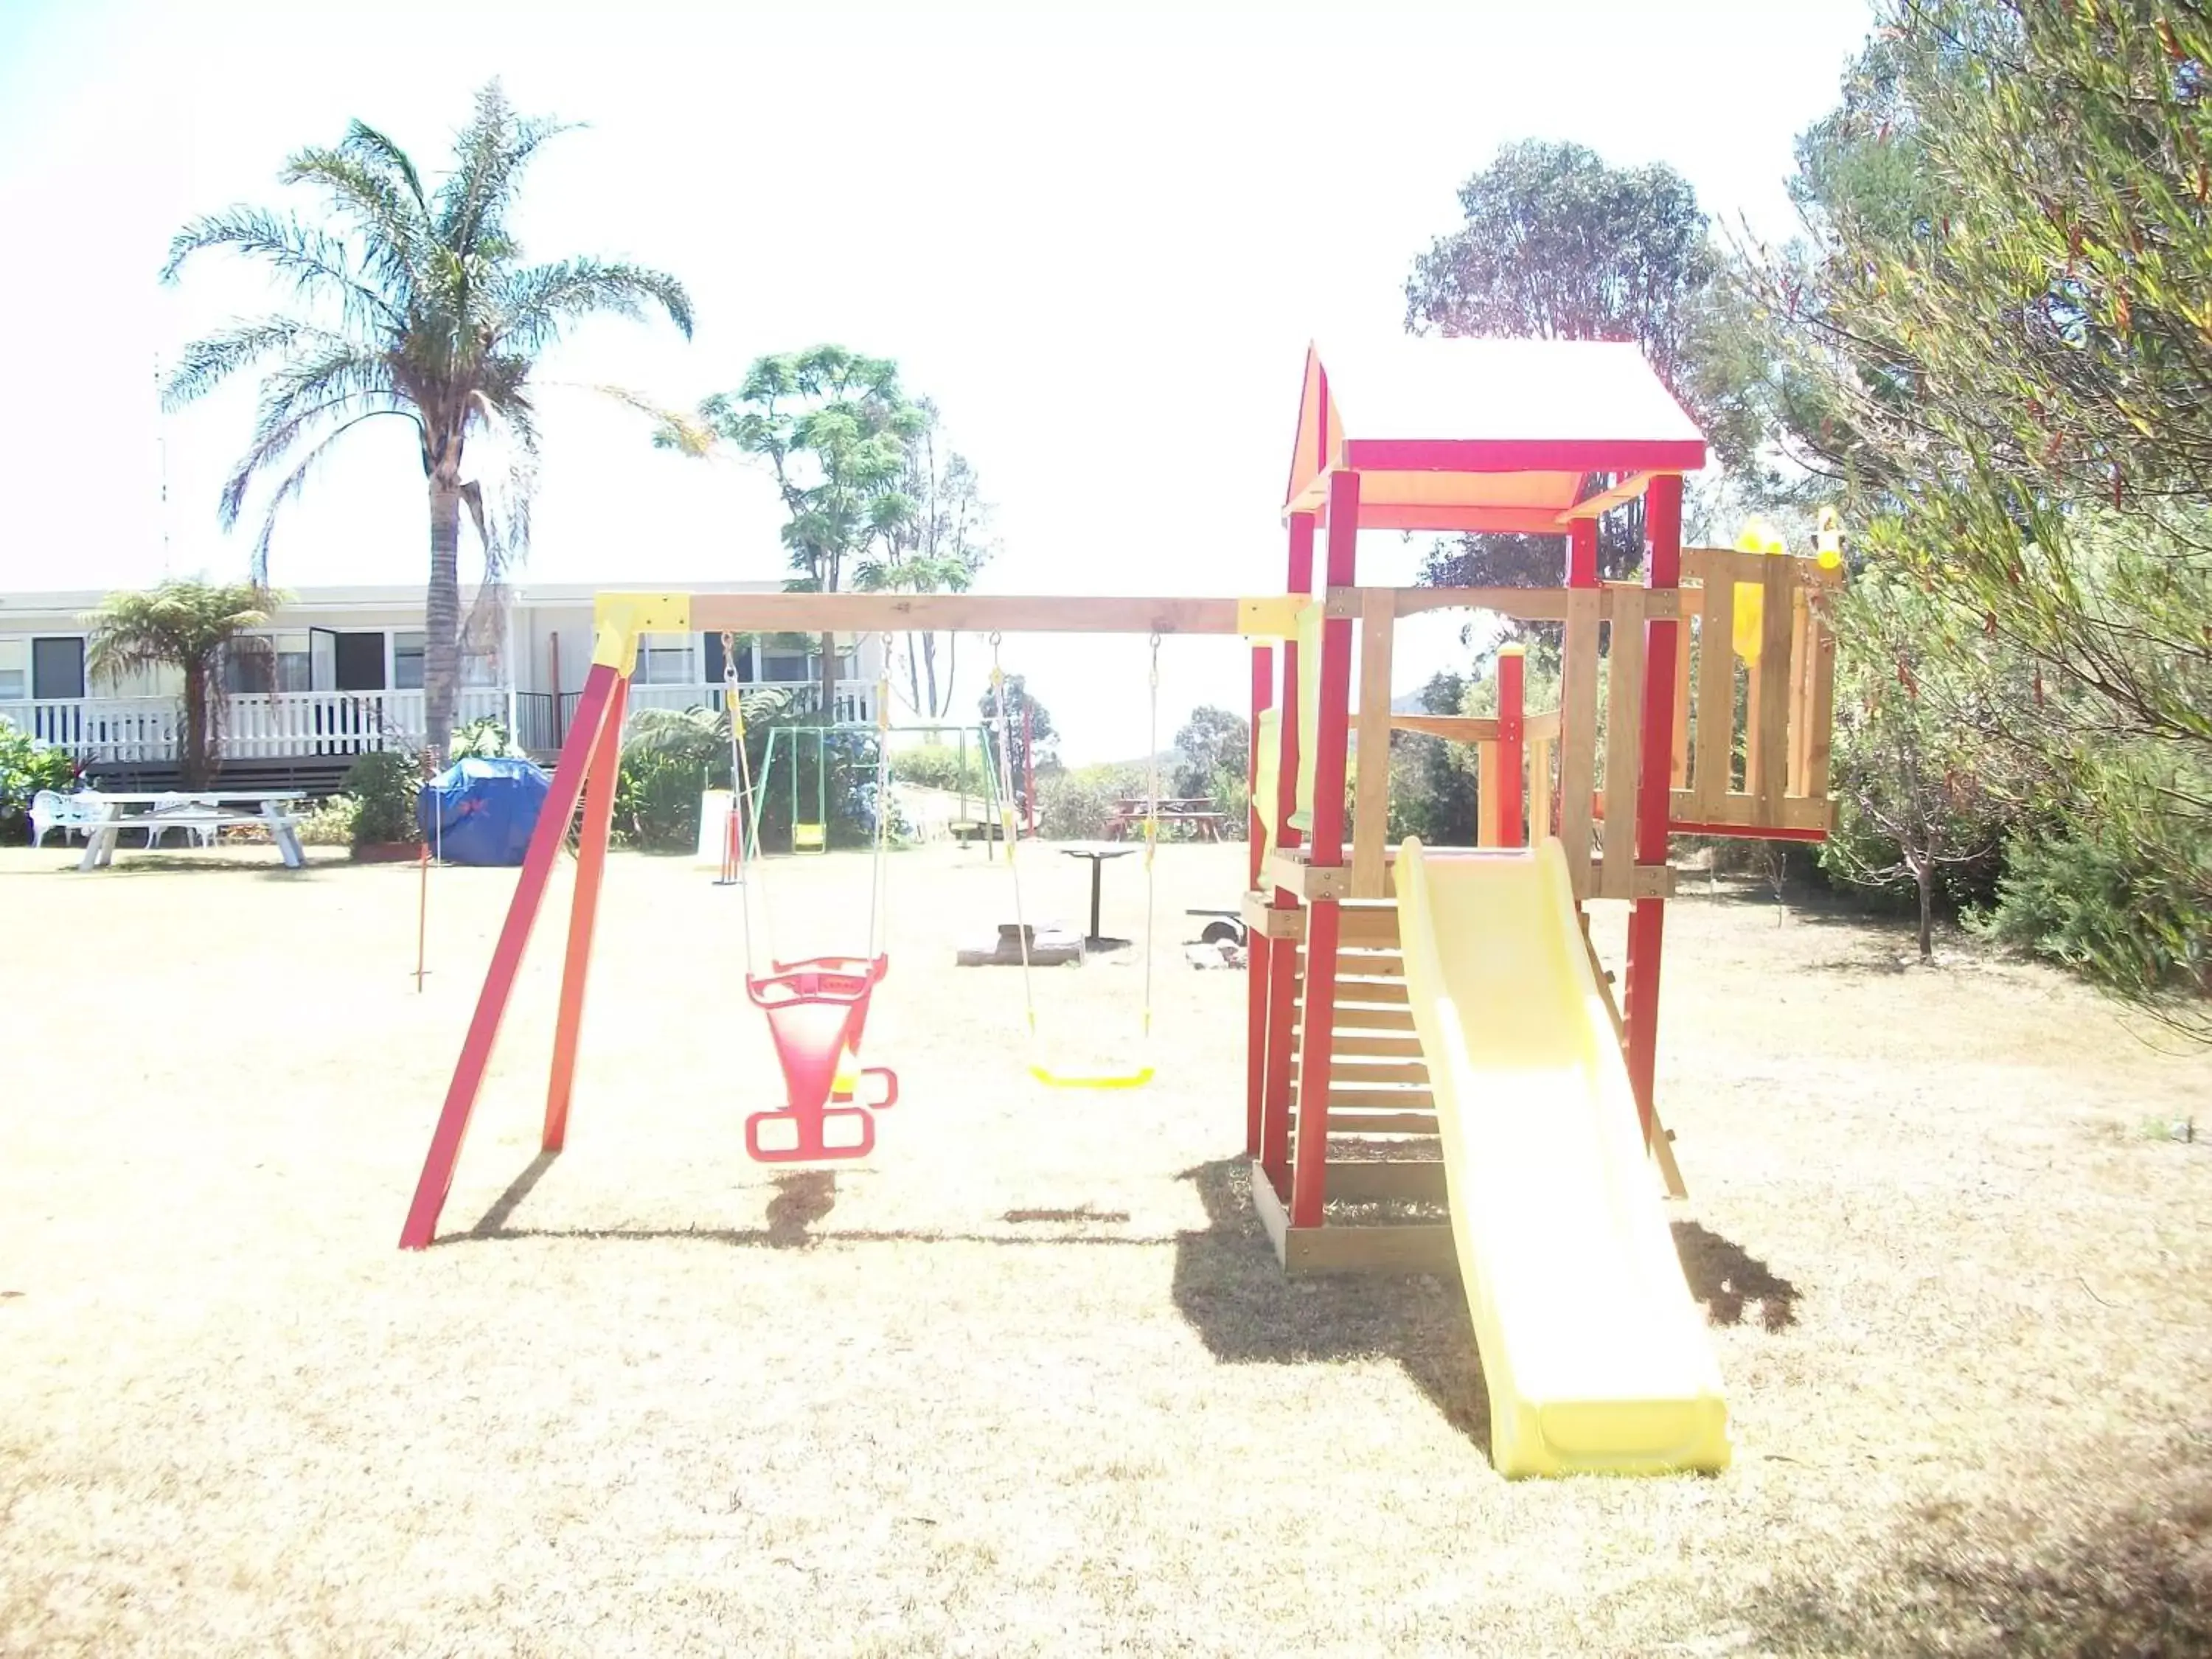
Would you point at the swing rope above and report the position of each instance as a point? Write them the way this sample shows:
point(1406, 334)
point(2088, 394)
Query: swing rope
point(1003, 778)
point(743, 804)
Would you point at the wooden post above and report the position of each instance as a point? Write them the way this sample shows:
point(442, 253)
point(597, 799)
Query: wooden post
point(1371, 819)
point(1715, 772)
point(1512, 683)
point(1647, 918)
point(560, 806)
point(1769, 737)
point(1282, 967)
point(1309, 1169)
point(1625, 723)
point(1259, 948)
point(1578, 703)
point(583, 914)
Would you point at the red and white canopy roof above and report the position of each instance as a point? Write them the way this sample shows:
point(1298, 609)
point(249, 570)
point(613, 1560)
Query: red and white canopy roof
point(1484, 434)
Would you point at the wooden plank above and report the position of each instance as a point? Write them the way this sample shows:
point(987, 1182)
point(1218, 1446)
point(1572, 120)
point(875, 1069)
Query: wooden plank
point(980, 613)
point(1364, 991)
point(1367, 925)
point(1521, 604)
point(1800, 663)
point(1623, 749)
point(1810, 813)
point(1375, 1123)
point(1374, 1100)
point(1370, 810)
point(1356, 1017)
point(1770, 729)
point(1409, 1247)
point(1539, 790)
point(1639, 881)
point(1268, 922)
point(1287, 868)
point(1352, 963)
point(1453, 728)
point(1545, 726)
point(1578, 733)
point(1822, 718)
point(1713, 776)
point(1662, 1149)
point(1354, 1043)
point(1358, 1073)
point(1594, 507)
point(1486, 775)
point(1386, 1181)
point(1272, 1216)
point(1679, 770)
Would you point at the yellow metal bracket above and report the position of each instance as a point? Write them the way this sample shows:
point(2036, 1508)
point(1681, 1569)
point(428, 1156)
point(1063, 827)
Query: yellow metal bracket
point(1275, 617)
point(618, 618)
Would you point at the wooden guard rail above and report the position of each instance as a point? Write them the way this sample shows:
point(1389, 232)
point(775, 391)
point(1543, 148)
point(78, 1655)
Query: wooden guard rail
point(1781, 787)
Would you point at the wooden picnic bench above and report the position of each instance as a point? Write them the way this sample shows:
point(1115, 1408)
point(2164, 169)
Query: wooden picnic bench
point(197, 810)
point(1196, 813)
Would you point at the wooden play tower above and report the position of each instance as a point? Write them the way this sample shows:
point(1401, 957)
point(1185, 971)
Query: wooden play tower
point(1536, 437)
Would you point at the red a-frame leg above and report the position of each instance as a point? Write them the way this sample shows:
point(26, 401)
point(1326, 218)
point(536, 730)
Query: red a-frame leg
point(592, 708)
point(583, 913)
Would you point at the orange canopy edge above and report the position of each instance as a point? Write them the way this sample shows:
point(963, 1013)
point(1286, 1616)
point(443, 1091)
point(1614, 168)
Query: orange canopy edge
point(1467, 434)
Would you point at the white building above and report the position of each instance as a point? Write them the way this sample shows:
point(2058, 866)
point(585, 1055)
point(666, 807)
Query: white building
point(343, 673)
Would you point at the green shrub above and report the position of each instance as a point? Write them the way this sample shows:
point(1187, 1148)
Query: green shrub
point(2120, 891)
point(26, 766)
point(329, 822)
point(937, 766)
point(1077, 804)
point(486, 738)
point(383, 785)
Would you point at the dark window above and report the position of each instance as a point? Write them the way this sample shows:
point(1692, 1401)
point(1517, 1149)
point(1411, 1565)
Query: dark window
point(57, 668)
point(361, 662)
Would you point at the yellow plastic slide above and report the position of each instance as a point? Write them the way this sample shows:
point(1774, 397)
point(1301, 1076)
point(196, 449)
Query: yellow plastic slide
point(1593, 1348)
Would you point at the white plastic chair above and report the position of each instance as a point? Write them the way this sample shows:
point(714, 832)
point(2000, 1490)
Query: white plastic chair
point(73, 814)
point(201, 834)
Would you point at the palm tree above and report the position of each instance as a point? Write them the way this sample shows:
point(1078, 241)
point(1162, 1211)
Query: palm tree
point(188, 625)
point(412, 302)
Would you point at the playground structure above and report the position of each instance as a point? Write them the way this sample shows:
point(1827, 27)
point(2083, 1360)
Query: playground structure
point(1440, 995)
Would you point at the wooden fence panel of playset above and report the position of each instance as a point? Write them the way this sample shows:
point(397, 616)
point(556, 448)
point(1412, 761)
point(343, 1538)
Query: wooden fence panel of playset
point(1787, 709)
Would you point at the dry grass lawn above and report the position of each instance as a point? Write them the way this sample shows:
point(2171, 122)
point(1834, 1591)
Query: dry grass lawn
point(1029, 1381)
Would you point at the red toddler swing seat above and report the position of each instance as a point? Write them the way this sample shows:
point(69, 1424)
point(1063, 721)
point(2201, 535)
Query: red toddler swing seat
point(817, 1011)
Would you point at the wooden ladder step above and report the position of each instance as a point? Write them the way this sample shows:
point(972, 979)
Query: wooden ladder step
point(1383, 1100)
point(1377, 1123)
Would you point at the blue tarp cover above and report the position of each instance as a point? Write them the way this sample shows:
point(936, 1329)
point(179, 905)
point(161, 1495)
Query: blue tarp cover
point(482, 811)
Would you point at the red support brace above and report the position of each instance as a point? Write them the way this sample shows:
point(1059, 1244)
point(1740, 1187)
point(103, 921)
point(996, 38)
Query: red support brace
point(1647, 918)
point(1309, 1169)
point(1512, 683)
point(583, 913)
point(506, 959)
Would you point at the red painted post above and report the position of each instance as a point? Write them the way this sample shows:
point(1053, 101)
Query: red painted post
point(1582, 554)
point(1512, 680)
point(1309, 1171)
point(583, 913)
point(1283, 965)
point(1258, 948)
point(506, 959)
point(1647, 918)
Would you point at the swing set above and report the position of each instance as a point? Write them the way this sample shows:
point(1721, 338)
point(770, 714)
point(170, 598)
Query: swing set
point(1535, 437)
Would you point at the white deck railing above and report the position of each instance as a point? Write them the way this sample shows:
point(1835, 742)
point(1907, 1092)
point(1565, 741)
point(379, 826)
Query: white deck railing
point(287, 724)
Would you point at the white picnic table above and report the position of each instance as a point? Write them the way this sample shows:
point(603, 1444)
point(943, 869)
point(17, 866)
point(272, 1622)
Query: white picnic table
point(193, 809)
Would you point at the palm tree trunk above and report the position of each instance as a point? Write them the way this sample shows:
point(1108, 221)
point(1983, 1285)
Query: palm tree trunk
point(829, 687)
point(929, 662)
point(193, 773)
point(441, 622)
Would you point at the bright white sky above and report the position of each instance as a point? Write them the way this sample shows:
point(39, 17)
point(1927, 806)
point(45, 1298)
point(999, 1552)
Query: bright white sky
point(1099, 237)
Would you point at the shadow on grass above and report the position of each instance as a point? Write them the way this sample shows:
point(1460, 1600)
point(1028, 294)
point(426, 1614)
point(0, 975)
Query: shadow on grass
point(1728, 1278)
point(803, 1197)
point(2127, 1577)
point(1233, 1292)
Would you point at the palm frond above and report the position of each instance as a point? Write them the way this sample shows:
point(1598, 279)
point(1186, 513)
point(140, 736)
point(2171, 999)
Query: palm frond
point(537, 302)
point(350, 381)
point(371, 145)
point(471, 206)
point(393, 226)
point(210, 361)
point(319, 265)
